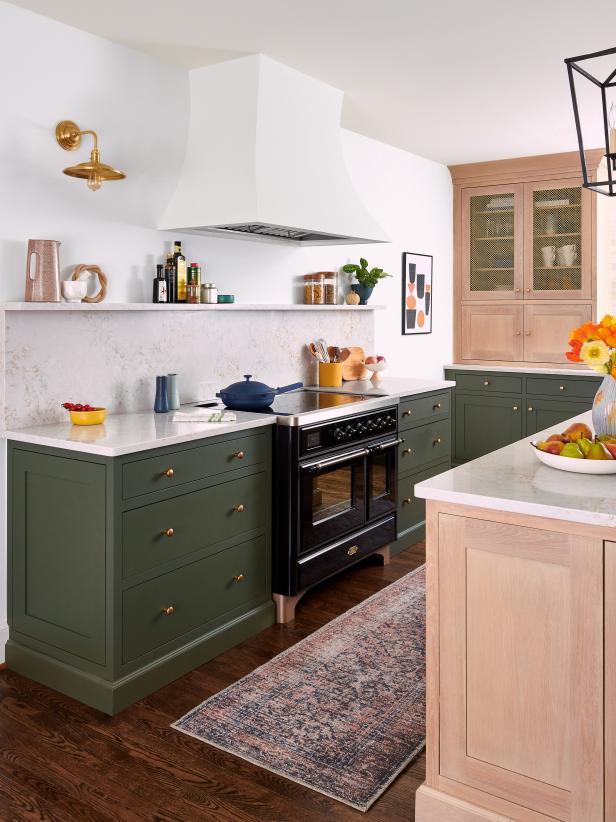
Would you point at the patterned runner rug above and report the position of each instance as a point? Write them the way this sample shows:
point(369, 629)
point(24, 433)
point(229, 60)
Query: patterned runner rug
point(342, 711)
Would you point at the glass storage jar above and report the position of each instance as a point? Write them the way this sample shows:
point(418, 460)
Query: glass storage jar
point(330, 280)
point(319, 289)
point(308, 289)
point(209, 293)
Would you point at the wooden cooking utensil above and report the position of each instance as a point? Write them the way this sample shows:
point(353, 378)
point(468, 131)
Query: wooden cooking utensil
point(353, 359)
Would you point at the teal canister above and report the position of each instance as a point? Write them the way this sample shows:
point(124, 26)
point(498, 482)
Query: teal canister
point(173, 392)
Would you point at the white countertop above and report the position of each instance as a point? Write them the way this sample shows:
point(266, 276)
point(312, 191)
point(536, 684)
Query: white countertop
point(521, 369)
point(128, 433)
point(512, 479)
point(394, 387)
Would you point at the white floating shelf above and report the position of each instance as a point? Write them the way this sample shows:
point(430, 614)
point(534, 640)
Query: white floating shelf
point(21, 306)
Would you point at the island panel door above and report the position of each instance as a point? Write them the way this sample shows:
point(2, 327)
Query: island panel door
point(521, 665)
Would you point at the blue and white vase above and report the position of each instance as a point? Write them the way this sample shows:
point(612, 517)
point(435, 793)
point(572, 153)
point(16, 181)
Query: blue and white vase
point(604, 408)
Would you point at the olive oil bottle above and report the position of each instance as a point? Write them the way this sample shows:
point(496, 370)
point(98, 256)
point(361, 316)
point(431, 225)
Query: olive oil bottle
point(180, 271)
point(171, 277)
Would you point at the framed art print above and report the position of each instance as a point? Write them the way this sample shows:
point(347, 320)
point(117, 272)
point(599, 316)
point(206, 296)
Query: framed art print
point(416, 293)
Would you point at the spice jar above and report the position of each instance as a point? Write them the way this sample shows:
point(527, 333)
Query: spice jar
point(308, 289)
point(330, 279)
point(319, 289)
point(192, 293)
point(209, 293)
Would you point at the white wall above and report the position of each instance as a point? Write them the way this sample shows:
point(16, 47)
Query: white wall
point(140, 108)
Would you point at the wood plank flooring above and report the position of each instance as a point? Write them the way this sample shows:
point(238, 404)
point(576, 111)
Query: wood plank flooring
point(62, 761)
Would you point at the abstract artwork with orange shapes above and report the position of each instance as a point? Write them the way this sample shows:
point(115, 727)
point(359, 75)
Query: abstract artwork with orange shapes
point(417, 302)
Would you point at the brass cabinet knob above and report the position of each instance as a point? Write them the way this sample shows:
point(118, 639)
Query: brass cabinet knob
point(517, 291)
point(530, 408)
point(561, 387)
point(239, 578)
point(437, 441)
point(352, 550)
point(406, 452)
point(486, 382)
point(407, 501)
point(528, 333)
point(436, 407)
point(407, 413)
point(239, 455)
point(528, 290)
point(168, 473)
point(515, 408)
point(168, 532)
point(168, 610)
point(518, 333)
point(239, 508)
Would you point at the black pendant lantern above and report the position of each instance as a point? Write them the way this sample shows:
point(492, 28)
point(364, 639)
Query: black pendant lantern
point(602, 95)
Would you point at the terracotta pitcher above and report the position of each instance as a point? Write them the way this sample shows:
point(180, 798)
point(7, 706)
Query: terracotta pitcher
point(43, 271)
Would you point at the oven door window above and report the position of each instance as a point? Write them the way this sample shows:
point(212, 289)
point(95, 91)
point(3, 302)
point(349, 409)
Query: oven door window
point(333, 502)
point(381, 483)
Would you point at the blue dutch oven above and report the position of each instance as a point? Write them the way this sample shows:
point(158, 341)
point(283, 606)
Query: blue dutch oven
point(252, 396)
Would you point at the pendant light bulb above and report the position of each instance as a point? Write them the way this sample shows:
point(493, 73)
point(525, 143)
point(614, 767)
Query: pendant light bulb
point(94, 181)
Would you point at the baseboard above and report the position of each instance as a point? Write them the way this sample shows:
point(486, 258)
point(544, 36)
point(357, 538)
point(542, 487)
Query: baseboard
point(4, 638)
point(434, 806)
point(408, 538)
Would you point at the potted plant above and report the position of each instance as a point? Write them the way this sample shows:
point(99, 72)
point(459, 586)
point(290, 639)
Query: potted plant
point(366, 278)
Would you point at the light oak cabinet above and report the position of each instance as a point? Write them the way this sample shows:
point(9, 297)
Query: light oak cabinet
point(525, 253)
point(521, 707)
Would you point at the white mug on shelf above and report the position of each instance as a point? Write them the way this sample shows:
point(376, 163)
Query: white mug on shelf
point(567, 255)
point(74, 291)
point(548, 252)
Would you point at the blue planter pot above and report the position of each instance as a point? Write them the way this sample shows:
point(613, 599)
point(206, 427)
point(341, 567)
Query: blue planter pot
point(364, 292)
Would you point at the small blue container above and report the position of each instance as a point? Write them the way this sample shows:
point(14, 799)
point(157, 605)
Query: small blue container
point(161, 401)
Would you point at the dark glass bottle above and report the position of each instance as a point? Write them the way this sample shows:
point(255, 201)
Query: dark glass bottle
point(171, 278)
point(180, 271)
point(159, 294)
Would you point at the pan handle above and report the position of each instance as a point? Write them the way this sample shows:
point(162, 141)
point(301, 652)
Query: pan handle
point(293, 387)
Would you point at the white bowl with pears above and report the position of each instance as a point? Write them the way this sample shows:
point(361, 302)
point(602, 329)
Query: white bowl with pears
point(578, 450)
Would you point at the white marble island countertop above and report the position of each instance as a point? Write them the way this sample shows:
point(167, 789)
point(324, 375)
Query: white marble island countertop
point(128, 433)
point(512, 479)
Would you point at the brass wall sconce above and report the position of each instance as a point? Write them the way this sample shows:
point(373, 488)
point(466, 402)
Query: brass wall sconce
point(69, 137)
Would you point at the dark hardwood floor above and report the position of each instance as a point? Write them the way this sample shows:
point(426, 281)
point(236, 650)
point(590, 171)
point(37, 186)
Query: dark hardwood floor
point(62, 761)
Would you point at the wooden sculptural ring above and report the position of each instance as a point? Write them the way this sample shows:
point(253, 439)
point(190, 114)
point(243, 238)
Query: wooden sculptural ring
point(102, 278)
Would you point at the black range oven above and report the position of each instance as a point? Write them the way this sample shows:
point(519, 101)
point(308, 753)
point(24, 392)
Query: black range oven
point(335, 496)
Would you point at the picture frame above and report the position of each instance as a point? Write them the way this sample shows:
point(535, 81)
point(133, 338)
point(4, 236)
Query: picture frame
point(417, 293)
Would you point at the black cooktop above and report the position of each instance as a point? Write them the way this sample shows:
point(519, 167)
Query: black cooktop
point(303, 401)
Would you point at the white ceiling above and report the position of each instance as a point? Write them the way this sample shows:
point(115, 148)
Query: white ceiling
point(452, 80)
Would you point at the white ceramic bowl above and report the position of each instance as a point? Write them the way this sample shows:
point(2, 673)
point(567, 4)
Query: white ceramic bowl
point(577, 466)
point(74, 291)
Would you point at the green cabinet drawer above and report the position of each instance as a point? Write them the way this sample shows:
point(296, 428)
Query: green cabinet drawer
point(192, 595)
point(168, 530)
point(488, 383)
point(542, 414)
point(582, 387)
point(412, 509)
point(177, 467)
point(415, 410)
point(424, 444)
point(484, 424)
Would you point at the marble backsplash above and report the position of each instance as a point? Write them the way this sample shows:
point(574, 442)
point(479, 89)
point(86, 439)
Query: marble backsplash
point(111, 358)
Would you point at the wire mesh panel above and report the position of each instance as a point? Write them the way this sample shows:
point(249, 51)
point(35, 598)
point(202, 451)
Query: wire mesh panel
point(557, 239)
point(492, 231)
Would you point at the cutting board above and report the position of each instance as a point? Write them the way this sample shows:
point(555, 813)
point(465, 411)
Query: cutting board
point(353, 359)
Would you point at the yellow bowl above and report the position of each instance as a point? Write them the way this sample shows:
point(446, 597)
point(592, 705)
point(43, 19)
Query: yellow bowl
point(88, 417)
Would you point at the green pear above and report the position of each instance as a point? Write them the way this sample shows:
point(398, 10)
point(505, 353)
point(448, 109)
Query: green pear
point(598, 451)
point(572, 449)
point(606, 438)
point(584, 445)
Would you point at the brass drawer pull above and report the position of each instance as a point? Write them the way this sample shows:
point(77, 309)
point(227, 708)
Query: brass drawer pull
point(407, 413)
point(168, 532)
point(407, 501)
point(486, 382)
point(530, 408)
point(168, 473)
point(406, 452)
point(239, 508)
point(437, 441)
point(168, 610)
point(515, 408)
point(561, 387)
point(436, 407)
point(239, 578)
point(239, 455)
point(353, 550)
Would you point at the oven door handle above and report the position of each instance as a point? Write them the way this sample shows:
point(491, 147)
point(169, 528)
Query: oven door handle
point(376, 449)
point(348, 457)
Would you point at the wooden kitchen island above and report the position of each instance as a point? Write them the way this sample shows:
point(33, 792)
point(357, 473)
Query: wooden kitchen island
point(521, 643)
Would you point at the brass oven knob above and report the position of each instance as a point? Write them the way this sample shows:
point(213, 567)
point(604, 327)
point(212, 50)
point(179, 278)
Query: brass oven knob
point(239, 508)
point(239, 578)
point(168, 532)
point(239, 455)
point(168, 610)
point(352, 550)
point(168, 473)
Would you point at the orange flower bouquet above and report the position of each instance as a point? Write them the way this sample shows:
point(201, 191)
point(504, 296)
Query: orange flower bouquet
point(595, 345)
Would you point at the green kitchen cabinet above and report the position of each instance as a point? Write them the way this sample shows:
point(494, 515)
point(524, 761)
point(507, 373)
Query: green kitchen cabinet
point(491, 409)
point(120, 581)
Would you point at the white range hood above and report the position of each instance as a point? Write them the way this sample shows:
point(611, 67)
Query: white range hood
point(264, 159)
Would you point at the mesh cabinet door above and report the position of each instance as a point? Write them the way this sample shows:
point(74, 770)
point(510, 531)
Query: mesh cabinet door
point(492, 243)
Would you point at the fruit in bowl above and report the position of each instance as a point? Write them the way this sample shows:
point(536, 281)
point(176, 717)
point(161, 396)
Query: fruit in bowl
point(375, 363)
point(577, 449)
point(81, 414)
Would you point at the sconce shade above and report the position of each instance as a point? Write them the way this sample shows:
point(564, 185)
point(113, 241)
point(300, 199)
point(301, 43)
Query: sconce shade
point(68, 137)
